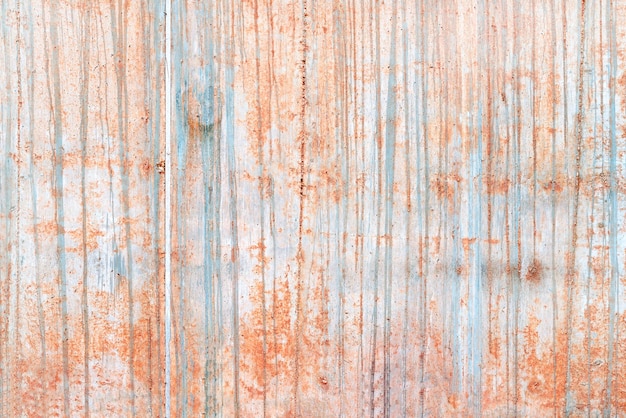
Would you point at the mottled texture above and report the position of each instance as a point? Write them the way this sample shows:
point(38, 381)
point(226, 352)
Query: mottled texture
point(399, 208)
point(80, 289)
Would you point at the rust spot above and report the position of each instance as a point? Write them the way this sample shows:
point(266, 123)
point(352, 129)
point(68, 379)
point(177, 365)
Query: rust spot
point(534, 272)
point(453, 400)
point(261, 257)
point(467, 242)
point(444, 185)
point(496, 185)
point(161, 167)
point(534, 387)
point(146, 168)
point(459, 270)
point(553, 185)
point(195, 126)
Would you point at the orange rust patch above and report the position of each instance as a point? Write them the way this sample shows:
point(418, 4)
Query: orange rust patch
point(444, 185)
point(555, 185)
point(277, 336)
point(497, 185)
point(146, 168)
point(534, 271)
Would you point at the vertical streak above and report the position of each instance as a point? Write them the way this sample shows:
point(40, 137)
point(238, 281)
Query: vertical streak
point(120, 46)
point(168, 203)
point(343, 212)
point(208, 166)
point(377, 190)
point(37, 244)
point(342, 101)
point(153, 315)
point(408, 212)
point(613, 210)
point(84, 99)
point(207, 149)
point(216, 175)
point(553, 209)
point(17, 355)
point(533, 106)
point(571, 268)
point(359, 211)
point(272, 218)
point(120, 61)
point(591, 216)
point(507, 225)
point(232, 185)
point(565, 137)
point(516, 252)
point(475, 232)
point(154, 88)
point(390, 142)
point(262, 186)
point(490, 130)
point(182, 129)
point(424, 255)
point(59, 203)
point(6, 199)
point(302, 139)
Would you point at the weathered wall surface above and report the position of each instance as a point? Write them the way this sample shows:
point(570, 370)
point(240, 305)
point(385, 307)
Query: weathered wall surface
point(80, 315)
point(378, 208)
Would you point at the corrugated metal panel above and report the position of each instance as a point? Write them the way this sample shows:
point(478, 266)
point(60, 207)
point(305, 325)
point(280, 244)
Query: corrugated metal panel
point(378, 208)
point(80, 328)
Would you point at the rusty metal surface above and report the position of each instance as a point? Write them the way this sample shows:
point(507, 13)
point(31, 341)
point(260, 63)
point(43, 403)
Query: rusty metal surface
point(402, 208)
point(80, 128)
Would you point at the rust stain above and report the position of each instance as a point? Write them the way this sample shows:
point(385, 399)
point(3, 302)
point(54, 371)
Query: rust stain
point(379, 208)
point(534, 272)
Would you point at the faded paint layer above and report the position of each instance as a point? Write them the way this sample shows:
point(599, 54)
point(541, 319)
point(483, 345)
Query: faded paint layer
point(80, 318)
point(399, 208)
point(379, 208)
